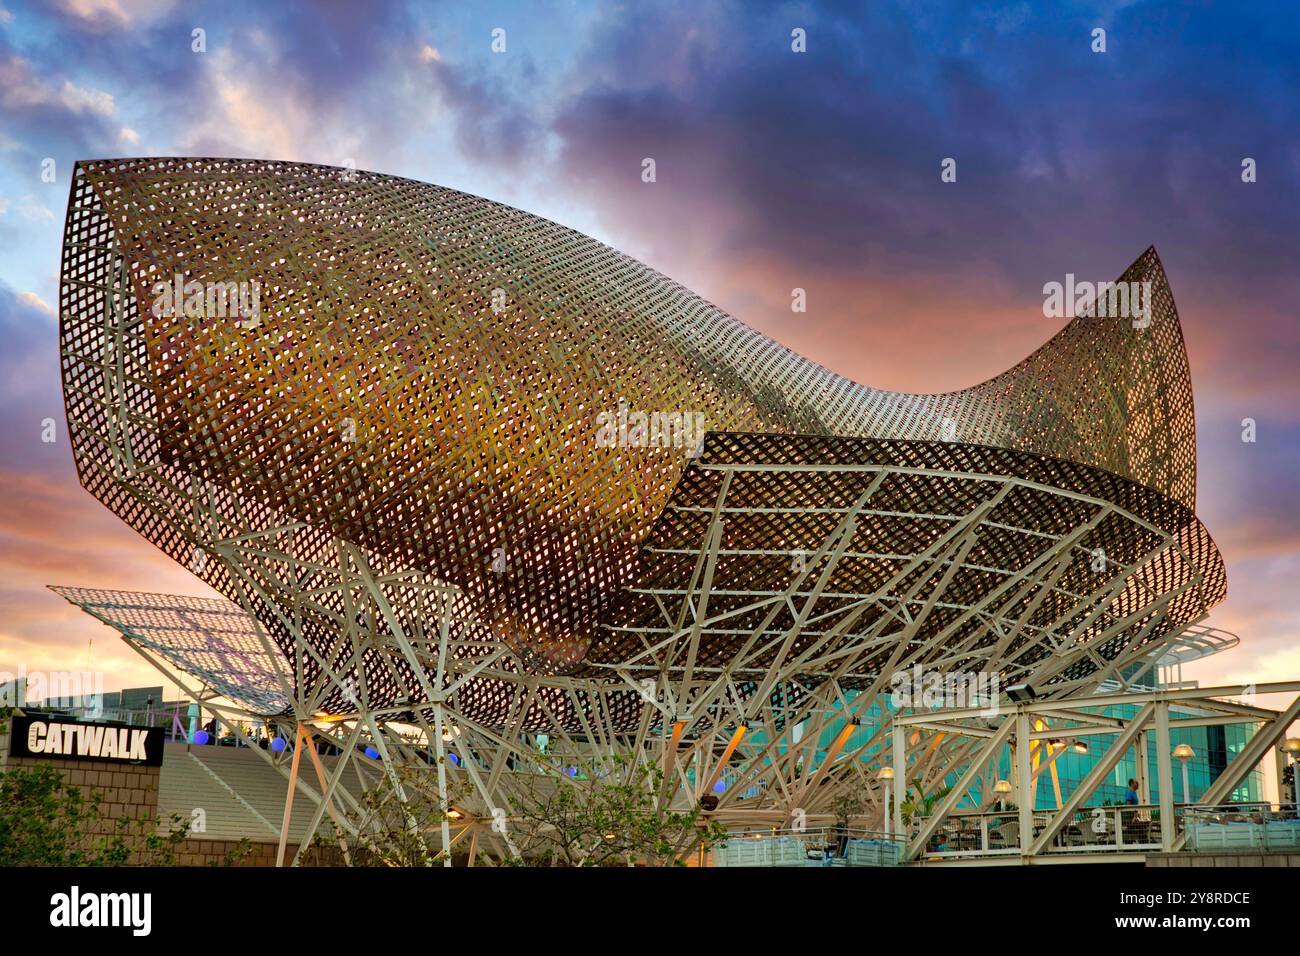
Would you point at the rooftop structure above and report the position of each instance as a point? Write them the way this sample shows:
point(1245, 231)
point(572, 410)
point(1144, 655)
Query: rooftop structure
point(451, 462)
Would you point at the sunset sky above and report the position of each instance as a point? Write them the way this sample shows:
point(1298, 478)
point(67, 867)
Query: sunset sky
point(775, 170)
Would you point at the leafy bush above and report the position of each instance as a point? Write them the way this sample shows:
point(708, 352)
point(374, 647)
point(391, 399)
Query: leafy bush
point(46, 822)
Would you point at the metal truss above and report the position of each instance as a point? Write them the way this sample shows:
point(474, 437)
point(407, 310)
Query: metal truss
point(736, 616)
point(809, 662)
point(801, 657)
point(449, 418)
point(1036, 731)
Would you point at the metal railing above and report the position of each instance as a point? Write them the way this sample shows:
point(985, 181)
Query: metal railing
point(159, 715)
point(1128, 828)
point(817, 846)
point(1103, 829)
point(1120, 829)
point(1242, 826)
point(173, 717)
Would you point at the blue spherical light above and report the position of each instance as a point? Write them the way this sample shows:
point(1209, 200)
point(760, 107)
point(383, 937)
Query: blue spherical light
point(454, 759)
point(200, 737)
point(372, 753)
point(720, 787)
point(278, 744)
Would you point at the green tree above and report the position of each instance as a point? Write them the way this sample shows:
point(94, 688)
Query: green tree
point(846, 808)
point(400, 823)
point(46, 822)
point(605, 814)
point(921, 804)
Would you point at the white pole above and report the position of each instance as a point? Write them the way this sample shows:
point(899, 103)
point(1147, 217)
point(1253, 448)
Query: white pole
point(443, 807)
point(888, 831)
point(900, 774)
point(1295, 781)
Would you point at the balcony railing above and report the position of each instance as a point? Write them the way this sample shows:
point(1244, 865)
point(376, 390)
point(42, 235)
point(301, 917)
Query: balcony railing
point(1109, 829)
point(1120, 829)
point(1235, 827)
point(821, 846)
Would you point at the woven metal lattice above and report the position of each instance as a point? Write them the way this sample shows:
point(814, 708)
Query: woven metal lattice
point(1051, 542)
point(210, 638)
point(425, 380)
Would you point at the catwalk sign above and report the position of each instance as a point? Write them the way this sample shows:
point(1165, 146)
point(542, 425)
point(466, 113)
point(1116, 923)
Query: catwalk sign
point(59, 738)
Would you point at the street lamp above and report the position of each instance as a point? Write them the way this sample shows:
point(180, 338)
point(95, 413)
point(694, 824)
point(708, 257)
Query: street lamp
point(1002, 788)
point(1292, 746)
point(886, 776)
point(1184, 753)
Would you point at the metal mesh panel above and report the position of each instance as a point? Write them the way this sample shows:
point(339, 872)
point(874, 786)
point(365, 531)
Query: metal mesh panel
point(1052, 542)
point(210, 638)
point(425, 380)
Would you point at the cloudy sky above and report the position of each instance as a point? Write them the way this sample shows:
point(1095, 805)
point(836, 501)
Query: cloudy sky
point(775, 170)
